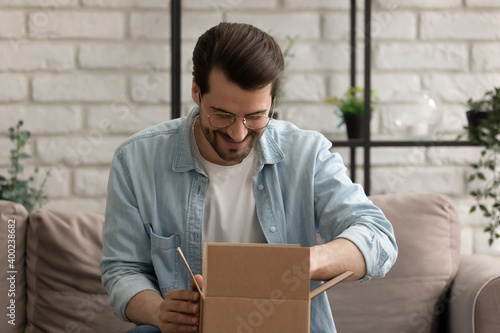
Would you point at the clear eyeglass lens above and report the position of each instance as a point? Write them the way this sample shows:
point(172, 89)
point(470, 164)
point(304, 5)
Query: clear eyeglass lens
point(221, 119)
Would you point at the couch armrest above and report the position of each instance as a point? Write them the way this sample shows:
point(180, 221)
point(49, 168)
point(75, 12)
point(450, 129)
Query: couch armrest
point(474, 302)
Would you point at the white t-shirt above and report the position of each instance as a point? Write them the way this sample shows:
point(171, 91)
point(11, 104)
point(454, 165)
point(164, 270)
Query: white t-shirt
point(230, 212)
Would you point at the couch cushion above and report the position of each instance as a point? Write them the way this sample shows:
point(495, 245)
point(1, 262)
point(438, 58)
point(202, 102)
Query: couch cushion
point(65, 293)
point(408, 299)
point(13, 224)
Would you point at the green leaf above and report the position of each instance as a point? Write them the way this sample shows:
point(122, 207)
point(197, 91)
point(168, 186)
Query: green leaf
point(485, 210)
point(471, 178)
point(481, 176)
point(25, 135)
point(472, 209)
point(24, 155)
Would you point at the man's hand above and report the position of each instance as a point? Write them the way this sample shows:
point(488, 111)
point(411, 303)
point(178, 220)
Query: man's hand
point(180, 310)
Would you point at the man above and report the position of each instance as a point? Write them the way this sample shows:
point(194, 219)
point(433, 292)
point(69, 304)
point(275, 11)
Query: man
point(228, 173)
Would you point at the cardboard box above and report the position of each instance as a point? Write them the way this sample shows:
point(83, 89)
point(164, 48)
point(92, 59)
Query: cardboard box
point(257, 288)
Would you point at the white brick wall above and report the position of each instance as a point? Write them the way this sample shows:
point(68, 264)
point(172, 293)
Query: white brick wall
point(91, 182)
point(86, 74)
point(149, 26)
point(464, 26)
point(317, 57)
point(417, 4)
point(63, 119)
point(457, 88)
point(34, 56)
point(14, 87)
point(127, 3)
point(421, 56)
point(123, 56)
point(11, 24)
point(317, 4)
point(281, 24)
point(39, 3)
point(482, 3)
point(78, 87)
point(486, 57)
point(64, 25)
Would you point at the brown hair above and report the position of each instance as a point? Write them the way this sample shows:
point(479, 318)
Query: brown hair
point(248, 57)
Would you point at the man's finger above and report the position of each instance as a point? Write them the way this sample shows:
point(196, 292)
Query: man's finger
point(199, 280)
point(171, 327)
point(181, 318)
point(183, 295)
point(181, 307)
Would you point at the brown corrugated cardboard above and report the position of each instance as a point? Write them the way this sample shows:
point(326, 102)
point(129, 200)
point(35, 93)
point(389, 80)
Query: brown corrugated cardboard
point(257, 288)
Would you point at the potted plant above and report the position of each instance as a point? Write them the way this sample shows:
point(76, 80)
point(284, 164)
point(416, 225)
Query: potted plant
point(480, 112)
point(350, 108)
point(484, 129)
point(14, 188)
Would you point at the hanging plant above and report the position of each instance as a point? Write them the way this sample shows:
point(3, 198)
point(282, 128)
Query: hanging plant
point(484, 130)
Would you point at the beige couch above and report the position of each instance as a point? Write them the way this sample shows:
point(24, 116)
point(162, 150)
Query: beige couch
point(57, 287)
point(431, 288)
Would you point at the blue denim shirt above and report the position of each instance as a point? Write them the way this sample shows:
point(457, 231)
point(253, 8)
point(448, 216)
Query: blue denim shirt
point(156, 196)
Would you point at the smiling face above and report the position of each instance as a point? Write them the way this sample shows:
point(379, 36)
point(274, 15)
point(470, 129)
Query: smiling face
point(230, 145)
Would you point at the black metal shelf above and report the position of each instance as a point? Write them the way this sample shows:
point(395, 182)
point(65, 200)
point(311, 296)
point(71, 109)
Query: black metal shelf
point(389, 143)
point(366, 143)
point(175, 41)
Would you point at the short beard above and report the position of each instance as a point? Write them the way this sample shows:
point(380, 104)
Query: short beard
point(232, 156)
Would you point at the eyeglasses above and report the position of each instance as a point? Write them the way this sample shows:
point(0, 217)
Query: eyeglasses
point(252, 122)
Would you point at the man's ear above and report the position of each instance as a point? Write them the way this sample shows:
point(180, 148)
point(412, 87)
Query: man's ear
point(195, 92)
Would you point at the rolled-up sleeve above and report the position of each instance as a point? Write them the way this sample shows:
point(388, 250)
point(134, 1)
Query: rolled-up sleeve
point(344, 211)
point(126, 265)
point(379, 250)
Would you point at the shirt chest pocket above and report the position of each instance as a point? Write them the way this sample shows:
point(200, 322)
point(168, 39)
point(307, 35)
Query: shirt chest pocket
point(165, 260)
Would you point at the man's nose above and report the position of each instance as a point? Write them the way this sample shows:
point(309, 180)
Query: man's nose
point(237, 131)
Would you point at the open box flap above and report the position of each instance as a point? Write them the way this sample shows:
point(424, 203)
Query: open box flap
point(190, 272)
point(328, 284)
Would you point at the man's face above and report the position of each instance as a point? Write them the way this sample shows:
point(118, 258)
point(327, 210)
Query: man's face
point(230, 145)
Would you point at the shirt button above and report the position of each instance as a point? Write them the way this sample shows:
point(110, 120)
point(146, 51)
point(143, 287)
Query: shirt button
point(261, 187)
point(273, 229)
